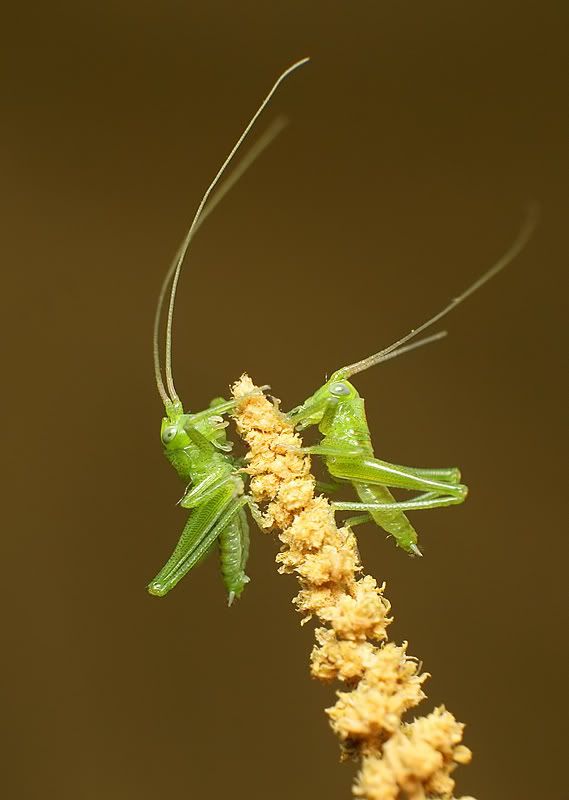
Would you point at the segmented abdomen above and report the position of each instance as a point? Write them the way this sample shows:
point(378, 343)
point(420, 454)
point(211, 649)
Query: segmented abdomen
point(234, 551)
point(393, 521)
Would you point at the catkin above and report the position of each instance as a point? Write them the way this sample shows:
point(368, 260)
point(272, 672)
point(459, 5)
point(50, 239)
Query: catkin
point(399, 760)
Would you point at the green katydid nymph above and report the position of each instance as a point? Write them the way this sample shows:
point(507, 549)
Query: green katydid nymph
point(338, 411)
point(196, 444)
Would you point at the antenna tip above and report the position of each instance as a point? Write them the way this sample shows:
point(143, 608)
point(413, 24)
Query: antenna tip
point(296, 64)
point(533, 213)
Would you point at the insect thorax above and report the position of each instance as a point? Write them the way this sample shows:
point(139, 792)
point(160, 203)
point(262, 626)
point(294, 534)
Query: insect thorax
point(349, 424)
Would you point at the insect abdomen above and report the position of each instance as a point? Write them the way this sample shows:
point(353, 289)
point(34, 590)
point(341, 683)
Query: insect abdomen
point(234, 550)
point(393, 521)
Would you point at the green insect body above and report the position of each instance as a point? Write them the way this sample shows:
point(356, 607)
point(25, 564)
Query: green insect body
point(234, 539)
point(196, 444)
point(346, 446)
point(234, 552)
point(338, 411)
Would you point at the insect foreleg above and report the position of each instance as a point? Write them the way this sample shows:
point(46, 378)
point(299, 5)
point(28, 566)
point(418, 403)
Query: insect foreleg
point(221, 406)
point(217, 406)
point(199, 439)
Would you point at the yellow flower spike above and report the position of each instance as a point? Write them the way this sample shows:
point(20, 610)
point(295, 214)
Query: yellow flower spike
point(399, 760)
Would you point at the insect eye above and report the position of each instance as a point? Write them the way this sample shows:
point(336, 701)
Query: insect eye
point(168, 434)
point(339, 389)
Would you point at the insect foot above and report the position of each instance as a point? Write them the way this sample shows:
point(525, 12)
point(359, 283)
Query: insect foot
point(157, 589)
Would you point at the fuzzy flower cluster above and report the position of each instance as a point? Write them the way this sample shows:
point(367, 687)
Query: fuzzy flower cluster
point(399, 760)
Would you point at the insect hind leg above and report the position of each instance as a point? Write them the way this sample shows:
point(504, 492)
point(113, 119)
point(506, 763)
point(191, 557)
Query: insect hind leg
point(443, 474)
point(203, 527)
point(373, 471)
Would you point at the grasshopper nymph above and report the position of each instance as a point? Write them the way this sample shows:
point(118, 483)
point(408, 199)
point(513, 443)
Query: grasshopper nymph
point(338, 411)
point(196, 444)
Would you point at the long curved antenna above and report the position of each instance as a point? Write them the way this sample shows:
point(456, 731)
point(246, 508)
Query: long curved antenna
point(250, 156)
point(518, 245)
point(434, 337)
point(169, 377)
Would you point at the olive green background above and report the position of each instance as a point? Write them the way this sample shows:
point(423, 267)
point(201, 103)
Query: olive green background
point(418, 135)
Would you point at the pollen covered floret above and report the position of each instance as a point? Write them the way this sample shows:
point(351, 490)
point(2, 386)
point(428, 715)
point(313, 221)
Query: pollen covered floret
point(416, 761)
point(280, 473)
point(311, 528)
point(339, 659)
point(362, 614)
point(389, 687)
point(400, 761)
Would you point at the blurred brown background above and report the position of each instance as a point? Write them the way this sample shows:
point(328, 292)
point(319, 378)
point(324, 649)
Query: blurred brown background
point(418, 134)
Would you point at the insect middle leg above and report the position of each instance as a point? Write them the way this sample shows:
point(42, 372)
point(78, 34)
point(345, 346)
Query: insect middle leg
point(426, 500)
